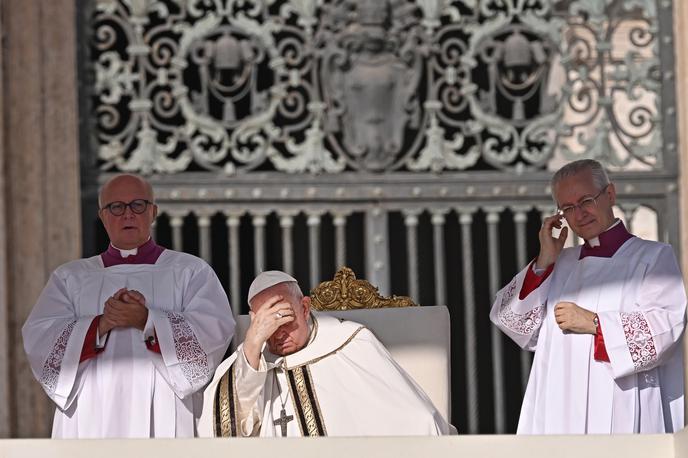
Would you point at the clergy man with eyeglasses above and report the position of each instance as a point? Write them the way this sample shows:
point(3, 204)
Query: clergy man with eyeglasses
point(605, 319)
point(122, 342)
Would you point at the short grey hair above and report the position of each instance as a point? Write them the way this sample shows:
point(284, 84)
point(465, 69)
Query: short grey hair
point(293, 290)
point(599, 174)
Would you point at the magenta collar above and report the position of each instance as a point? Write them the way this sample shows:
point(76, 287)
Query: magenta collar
point(148, 253)
point(610, 241)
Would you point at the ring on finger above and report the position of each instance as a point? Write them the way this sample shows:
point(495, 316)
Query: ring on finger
point(278, 315)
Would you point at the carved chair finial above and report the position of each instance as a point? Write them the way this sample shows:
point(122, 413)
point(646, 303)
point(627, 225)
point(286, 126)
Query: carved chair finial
point(345, 292)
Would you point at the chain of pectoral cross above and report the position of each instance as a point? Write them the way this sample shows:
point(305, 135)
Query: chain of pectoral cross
point(283, 419)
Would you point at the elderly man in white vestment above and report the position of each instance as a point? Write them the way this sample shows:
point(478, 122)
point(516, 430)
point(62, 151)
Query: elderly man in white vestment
point(122, 342)
point(300, 373)
point(605, 319)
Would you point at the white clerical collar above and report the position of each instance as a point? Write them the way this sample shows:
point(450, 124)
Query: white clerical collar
point(127, 253)
point(595, 241)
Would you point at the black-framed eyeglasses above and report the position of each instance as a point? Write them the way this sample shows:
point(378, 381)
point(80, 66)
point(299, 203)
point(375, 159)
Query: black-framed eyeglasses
point(137, 206)
point(586, 204)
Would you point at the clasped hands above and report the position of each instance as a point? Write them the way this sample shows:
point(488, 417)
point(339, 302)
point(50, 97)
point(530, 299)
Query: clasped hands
point(126, 308)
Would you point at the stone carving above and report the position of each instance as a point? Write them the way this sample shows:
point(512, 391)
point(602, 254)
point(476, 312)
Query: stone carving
point(371, 69)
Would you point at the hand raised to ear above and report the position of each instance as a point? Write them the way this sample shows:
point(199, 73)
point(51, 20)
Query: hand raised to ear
point(551, 246)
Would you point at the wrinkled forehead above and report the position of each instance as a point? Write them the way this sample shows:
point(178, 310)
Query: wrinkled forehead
point(572, 188)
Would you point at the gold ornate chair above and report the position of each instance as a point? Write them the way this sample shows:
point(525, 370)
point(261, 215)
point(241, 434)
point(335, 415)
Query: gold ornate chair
point(418, 338)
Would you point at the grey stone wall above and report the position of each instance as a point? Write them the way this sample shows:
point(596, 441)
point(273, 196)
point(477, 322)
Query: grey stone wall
point(39, 186)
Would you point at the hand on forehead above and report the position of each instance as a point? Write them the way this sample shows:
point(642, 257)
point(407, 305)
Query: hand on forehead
point(275, 295)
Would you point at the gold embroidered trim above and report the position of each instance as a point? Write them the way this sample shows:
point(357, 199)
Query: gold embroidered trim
point(320, 419)
point(315, 360)
point(225, 419)
point(294, 400)
point(310, 408)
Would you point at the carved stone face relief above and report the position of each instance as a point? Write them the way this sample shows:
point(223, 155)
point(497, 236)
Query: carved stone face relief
point(372, 88)
point(371, 70)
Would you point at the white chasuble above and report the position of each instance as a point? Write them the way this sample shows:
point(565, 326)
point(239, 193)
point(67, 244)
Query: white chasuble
point(639, 296)
point(128, 390)
point(342, 383)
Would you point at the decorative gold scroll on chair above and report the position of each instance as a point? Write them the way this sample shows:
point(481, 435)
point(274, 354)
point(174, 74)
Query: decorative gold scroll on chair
point(346, 292)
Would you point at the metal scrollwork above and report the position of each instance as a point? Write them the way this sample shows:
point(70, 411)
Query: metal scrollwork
point(612, 94)
point(327, 86)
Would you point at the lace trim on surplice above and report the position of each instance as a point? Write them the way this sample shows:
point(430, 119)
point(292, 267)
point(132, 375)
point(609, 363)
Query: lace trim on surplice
point(523, 324)
point(192, 359)
point(641, 345)
point(53, 364)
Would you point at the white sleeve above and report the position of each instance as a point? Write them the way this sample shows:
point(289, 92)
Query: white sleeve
point(53, 339)
point(193, 341)
point(249, 388)
point(521, 319)
point(644, 335)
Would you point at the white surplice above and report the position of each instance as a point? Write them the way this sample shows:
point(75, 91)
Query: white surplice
point(129, 390)
point(351, 387)
point(640, 299)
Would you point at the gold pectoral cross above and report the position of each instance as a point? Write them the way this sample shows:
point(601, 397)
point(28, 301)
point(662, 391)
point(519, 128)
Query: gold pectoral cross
point(282, 421)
